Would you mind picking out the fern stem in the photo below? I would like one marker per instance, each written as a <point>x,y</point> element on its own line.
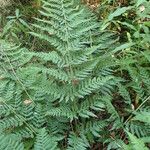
<point>128,119</point>
<point>18,78</point>
<point>68,44</point>
<point>20,117</point>
<point>117,142</point>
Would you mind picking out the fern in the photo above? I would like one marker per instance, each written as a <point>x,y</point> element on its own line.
<point>54,98</point>
<point>136,143</point>
<point>44,141</point>
<point>10,142</point>
<point>77,142</point>
<point>125,94</point>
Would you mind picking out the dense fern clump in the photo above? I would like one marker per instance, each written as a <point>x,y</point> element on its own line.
<point>61,88</point>
<point>62,96</point>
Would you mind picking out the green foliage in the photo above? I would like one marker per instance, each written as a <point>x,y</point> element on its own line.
<point>136,144</point>
<point>63,84</point>
<point>76,84</point>
<point>10,142</point>
<point>44,141</point>
<point>77,142</point>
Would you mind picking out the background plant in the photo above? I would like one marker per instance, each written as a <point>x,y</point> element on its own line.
<point>82,82</point>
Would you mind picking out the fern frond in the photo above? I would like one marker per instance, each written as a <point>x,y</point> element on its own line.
<point>45,141</point>
<point>136,143</point>
<point>114,114</point>
<point>125,94</point>
<point>64,111</point>
<point>91,85</point>
<point>10,142</point>
<point>10,122</point>
<point>77,143</point>
<point>143,116</point>
<point>138,129</point>
<point>95,127</point>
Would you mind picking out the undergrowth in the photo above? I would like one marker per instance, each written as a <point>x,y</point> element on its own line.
<point>74,76</point>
